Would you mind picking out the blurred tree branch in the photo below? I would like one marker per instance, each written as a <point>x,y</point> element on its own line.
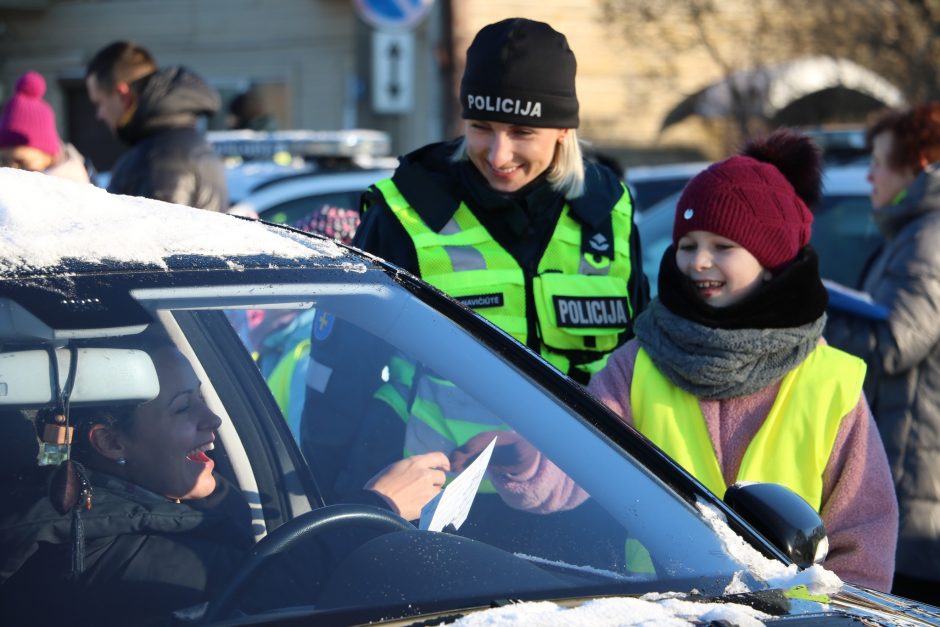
<point>897,39</point>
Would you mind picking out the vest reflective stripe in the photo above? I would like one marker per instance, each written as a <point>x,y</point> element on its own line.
<point>441,416</point>
<point>394,399</point>
<point>791,448</point>
<point>463,260</point>
<point>287,384</point>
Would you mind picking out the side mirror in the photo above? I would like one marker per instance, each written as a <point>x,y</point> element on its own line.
<point>783,517</point>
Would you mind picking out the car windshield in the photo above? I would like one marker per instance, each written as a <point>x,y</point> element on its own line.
<point>590,518</point>
<point>333,354</point>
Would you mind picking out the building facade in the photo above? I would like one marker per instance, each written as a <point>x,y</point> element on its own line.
<point>315,63</point>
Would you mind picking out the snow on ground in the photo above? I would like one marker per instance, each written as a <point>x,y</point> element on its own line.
<point>620,611</point>
<point>44,219</point>
<point>817,579</point>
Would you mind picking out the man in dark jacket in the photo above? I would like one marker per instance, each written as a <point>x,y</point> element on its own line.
<point>155,111</point>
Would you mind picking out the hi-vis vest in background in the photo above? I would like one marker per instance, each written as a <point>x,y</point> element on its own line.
<point>580,288</point>
<point>438,415</point>
<point>791,448</point>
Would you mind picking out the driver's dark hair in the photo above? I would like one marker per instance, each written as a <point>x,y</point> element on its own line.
<point>117,416</point>
<point>120,62</point>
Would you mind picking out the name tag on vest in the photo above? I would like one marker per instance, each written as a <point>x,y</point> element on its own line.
<point>583,311</point>
<point>481,301</point>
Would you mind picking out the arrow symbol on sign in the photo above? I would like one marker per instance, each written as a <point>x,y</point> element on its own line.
<point>394,53</point>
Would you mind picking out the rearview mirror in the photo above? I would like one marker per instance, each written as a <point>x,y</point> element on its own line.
<point>783,517</point>
<point>102,375</point>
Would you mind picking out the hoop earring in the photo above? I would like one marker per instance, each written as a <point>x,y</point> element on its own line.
<point>120,461</point>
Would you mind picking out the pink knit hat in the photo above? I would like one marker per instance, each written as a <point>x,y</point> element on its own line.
<point>27,119</point>
<point>757,199</point>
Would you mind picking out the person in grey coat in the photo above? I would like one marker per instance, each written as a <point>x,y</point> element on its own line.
<point>156,112</point>
<point>903,349</point>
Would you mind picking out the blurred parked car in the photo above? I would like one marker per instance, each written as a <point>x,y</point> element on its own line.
<point>300,200</point>
<point>309,180</point>
<point>254,159</point>
<point>651,183</point>
<point>844,233</point>
<point>113,268</point>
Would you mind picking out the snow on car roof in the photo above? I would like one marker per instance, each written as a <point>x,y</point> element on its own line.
<point>45,219</point>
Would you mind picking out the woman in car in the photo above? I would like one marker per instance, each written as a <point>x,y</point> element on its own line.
<point>729,374</point>
<point>160,530</point>
<point>903,350</point>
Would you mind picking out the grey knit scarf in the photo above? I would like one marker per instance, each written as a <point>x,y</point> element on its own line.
<point>722,363</point>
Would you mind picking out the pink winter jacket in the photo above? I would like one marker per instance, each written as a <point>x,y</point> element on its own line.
<point>859,506</point>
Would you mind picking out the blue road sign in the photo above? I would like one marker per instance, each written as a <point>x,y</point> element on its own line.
<point>393,13</point>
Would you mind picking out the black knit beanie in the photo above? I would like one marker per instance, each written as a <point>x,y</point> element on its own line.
<point>520,72</point>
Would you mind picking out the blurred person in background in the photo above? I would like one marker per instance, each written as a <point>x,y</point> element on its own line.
<point>156,112</point>
<point>903,350</point>
<point>28,136</point>
<point>246,112</point>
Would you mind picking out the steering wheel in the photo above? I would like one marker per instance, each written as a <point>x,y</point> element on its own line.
<point>296,531</point>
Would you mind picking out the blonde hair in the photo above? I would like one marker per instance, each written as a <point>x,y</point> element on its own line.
<point>565,174</point>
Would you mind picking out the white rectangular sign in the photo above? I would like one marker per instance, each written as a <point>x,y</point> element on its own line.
<point>393,71</point>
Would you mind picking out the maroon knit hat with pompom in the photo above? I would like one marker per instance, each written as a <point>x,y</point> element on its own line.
<point>759,199</point>
<point>27,119</point>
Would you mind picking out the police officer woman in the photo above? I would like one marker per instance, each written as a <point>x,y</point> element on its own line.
<point>510,219</point>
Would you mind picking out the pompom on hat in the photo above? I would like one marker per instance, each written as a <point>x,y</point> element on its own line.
<point>27,119</point>
<point>520,71</point>
<point>759,199</point>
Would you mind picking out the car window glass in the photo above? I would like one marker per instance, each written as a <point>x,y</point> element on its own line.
<point>361,388</point>
<point>311,213</point>
<point>845,236</point>
<point>361,373</point>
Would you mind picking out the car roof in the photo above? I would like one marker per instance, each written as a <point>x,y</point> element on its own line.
<point>71,253</point>
<point>846,180</point>
<point>837,180</point>
<point>246,177</point>
<point>308,184</point>
<point>51,224</point>
<point>665,171</point>
<point>308,144</point>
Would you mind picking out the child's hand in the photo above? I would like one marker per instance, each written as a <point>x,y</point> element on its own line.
<point>512,454</point>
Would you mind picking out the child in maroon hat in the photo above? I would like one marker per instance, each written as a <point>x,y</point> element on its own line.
<point>28,136</point>
<point>729,374</point>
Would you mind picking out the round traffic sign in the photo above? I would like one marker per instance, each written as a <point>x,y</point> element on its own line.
<point>393,13</point>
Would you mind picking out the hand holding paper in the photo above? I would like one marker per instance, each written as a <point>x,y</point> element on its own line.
<point>452,506</point>
<point>410,483</point>
<point>512,455</point>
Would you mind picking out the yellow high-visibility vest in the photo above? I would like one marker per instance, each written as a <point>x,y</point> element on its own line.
<point>791,448</point>
<point>582,301</point>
